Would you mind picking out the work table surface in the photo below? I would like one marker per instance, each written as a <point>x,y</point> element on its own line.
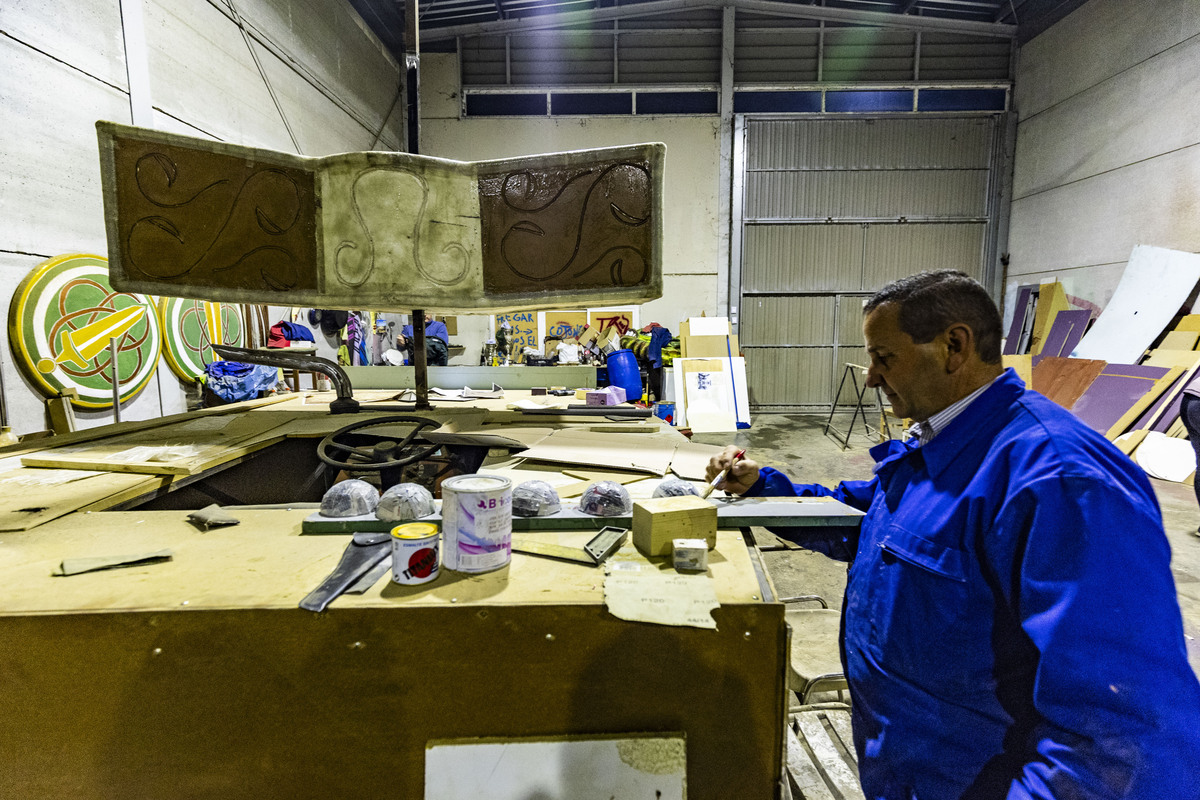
<point>265,562</point>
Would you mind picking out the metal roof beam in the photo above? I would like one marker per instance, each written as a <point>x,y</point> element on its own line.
<point>881,19</point>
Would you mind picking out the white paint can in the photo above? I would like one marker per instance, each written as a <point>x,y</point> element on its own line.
<point>476,522</point>
<point>415,557</point>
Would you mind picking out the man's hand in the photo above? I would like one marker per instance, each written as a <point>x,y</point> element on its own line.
<point>741,474</point>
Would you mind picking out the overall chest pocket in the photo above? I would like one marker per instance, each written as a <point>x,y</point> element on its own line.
<point>916,612</point>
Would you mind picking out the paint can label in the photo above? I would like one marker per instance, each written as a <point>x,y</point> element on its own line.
<point>477,522</point>
<point>416,555</point>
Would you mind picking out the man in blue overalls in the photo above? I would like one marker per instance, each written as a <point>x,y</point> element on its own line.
<point>1010,624</point>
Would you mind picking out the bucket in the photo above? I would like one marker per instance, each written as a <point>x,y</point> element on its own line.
<point>476,522</point>
<point>623,371</point>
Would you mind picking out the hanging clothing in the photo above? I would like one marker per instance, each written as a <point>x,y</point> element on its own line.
<point>284,333</point>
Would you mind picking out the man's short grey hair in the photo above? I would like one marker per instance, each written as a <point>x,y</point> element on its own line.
<point>930,302</point>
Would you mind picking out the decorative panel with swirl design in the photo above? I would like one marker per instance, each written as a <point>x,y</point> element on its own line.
<point>199,219</point>
<point>587,227</point>
<point>386,231</point>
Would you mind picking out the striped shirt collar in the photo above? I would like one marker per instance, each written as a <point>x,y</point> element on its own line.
<point>924,432</point>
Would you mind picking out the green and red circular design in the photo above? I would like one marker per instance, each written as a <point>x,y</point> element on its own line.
<point>190,329</point>
<point>60,323</point>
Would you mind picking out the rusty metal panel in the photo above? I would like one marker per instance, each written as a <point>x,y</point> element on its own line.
<point>388,231</point>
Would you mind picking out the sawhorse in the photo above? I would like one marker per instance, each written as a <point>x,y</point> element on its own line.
<point>859,393</point>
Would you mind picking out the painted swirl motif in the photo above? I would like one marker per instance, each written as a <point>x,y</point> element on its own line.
<point>218,220</point>
<point>383,200</point>
<point>558,230</point>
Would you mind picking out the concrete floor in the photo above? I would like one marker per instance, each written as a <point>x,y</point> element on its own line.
<point>797,444</point>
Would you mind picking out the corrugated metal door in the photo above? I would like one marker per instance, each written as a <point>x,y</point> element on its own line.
<point>832,209</point>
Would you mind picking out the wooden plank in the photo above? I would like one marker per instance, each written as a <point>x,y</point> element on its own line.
<point>840,720</point>
<point>1162,357</point>
<point>122,428</point>
<point>1180,340</point>
<point>1051,300</point>
<point>1128,442</point>
<point>183,448</point>
<point>1171,401</point>
<point>1022,365</point>
<point>843,776</point>
<point>803,772</point>
<point>1064,380</point>
<point>1145,401</point>
<point>32,497</point>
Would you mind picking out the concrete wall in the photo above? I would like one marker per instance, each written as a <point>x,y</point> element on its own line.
<point>691,245</point>
<point>66,65</point>
<point>1108,143</point>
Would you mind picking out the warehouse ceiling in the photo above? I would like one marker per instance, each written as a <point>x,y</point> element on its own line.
<point>443,21</point>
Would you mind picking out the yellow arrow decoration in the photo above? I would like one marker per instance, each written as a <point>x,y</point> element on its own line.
<point>81,346</point>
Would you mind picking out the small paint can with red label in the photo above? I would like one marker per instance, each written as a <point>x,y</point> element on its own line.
<point>416,552</point>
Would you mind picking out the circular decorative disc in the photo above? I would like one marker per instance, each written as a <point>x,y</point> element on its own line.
<point>60,323</point>
<point>190,329</point>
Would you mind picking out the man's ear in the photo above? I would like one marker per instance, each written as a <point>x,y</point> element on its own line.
<point>960,343</point>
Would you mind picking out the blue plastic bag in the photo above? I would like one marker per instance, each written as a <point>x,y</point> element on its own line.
<point>233,381</point>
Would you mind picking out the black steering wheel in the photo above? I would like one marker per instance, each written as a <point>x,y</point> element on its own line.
<point>384,453</point>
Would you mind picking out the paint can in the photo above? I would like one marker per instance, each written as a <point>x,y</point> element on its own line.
<point>415,556</point>
<point>477,522</point>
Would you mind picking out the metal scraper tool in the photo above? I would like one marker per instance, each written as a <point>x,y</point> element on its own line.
<point>594,553</point>
<point>364,552</point>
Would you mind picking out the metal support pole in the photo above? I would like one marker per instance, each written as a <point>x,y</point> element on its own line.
<point>116,379</point>
<point>412,69</point>
<point>420,362</point>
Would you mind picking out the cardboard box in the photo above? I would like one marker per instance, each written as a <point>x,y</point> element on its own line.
<point>705,326</point>
<point>657,522</point>
<point>608,396</point>
<point>708,346</point>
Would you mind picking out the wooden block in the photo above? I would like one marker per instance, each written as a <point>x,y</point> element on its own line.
<point>690,555</point>
<point>1180,340</point>
<point>659,521</point>
<point>1189,323</point>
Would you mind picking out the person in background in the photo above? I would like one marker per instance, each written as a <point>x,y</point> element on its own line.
<point>1189,412</point>
<point>437,342</point>
<point>1010,622</point>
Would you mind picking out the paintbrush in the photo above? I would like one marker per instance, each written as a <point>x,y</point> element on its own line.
<point>721,475</point>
